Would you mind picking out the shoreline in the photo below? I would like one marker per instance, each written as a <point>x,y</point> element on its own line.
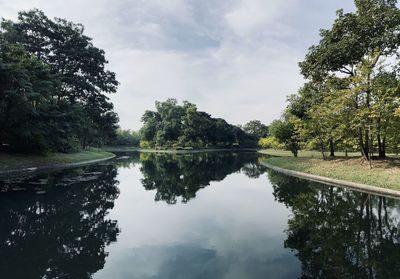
<point>360,187</point>
<point>51,166</point>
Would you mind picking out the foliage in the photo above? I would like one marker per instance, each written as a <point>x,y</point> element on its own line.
<point>178,126</point>
<point>284,132</point>
<point>145,144</point>
<point>270,142</point>
<point>125,138</point>
<point>256,128</point>
<point>352,91</point>
<point>52,85</point>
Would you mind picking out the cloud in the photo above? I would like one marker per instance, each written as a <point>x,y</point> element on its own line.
<point>235,59</point>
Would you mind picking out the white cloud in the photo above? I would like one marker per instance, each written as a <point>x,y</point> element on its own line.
<point>236,59</point>
<point>252,16</point>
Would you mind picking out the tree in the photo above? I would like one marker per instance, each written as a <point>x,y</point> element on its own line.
<point>256,128</point>
<point>25,99</point>
<point>284,132</point>
<point>354,48</point>
<point>61,81</point>
<point>178,126</point>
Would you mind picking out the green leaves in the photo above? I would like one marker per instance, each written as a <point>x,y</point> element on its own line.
<point>52,85</point>
<point>173,126</point>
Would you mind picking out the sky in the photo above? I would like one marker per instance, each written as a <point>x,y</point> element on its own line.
<point>235,59</point>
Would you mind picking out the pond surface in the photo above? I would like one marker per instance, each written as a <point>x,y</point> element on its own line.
<point>203,216</point>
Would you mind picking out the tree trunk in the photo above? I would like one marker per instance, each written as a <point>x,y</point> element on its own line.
<point>363,146</point>
<point>323,149</point>
<point>331,148</point>
<point>381,142</point>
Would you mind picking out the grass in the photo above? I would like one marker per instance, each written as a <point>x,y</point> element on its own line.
<point>304,153</point>
<point>18,161</point>
<point>384,173</point>
<point>120,148</point>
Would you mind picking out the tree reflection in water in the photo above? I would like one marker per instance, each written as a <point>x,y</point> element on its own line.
<point>339,233</point>
<point>182,175</point>
<point>62,234</point>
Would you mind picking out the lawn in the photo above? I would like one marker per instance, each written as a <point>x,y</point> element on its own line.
<point>384,173</point>
<point>10,162</point>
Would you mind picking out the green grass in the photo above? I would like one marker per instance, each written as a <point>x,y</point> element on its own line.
<point>120,148</point>
<point>18,161</point>
<point>304,153</point>
<point>384,173</point>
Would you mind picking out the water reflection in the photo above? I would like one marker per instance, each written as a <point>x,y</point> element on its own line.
<point>60,234</point>
<point>339,233</point>
<point>57,225</point>
<point>182,175</point>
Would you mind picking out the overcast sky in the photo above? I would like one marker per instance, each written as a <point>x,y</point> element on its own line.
<point>236,59</point>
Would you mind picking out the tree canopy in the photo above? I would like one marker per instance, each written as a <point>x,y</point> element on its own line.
<point>352,94</point>
<point>173,125</point>
<point>53,85</point>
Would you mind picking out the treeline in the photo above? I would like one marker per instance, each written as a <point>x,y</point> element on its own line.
<point>53,83</point>
<point>352,95</point>
<point>174,126</point>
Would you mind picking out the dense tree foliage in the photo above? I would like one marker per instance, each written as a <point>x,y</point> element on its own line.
<point>125,138</point>
<point>284,132</point>
<point>256,128</point>
<point>52,85</point>
<point>352,92</point>
<point>173,125</point>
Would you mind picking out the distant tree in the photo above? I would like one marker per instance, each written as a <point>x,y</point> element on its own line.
<point>173,125</point>
<point>256,128</point>
<point>126,138</point>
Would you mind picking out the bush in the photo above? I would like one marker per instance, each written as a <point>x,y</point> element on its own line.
<point>270,142</point>
<point>145,144</point>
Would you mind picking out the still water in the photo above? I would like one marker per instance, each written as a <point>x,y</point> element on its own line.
<point>210,215</point>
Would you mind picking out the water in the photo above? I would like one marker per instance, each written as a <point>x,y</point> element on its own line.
<point>214,215</point>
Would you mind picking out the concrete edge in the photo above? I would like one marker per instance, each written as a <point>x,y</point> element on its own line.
<point>375,190</point>
<point>24,171</point>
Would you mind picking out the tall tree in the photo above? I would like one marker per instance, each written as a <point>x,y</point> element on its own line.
<point>354,47</point>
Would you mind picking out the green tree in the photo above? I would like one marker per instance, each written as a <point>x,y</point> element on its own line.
<point>284,131</point>
<point>256,128</point>
<point>78,111</point>
<point>355,48</point>
<point>177,126</point>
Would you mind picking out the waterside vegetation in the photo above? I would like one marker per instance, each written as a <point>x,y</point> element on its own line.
<point>351,100</point>
<point>353,168</point>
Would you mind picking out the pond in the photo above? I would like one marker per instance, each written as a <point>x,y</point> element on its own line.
<point>206,215</point>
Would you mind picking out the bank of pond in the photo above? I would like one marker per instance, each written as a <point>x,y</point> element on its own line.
<point>204,215</point>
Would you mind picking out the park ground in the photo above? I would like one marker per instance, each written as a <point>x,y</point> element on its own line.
<point>13,162</point>
<point>384,173</point>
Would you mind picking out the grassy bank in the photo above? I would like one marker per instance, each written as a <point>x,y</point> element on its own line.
<point>385,173</point>
<point>10,162</point>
